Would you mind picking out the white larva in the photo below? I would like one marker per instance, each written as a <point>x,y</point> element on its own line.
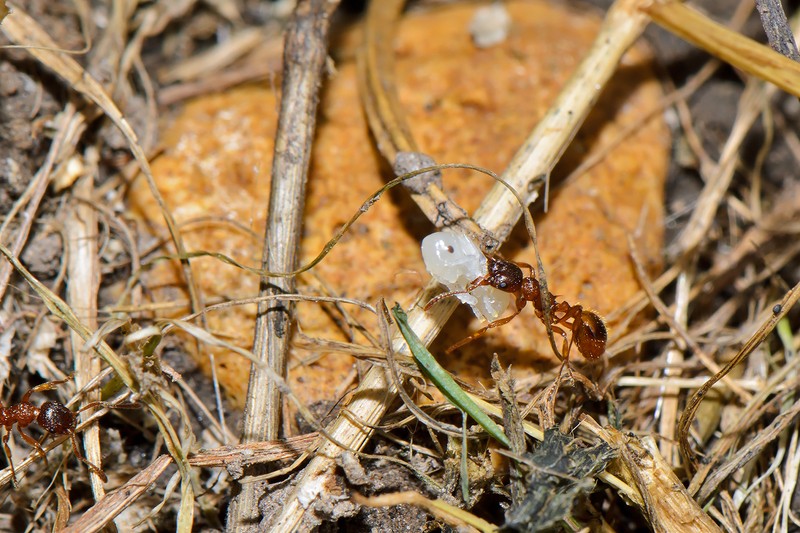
<point>454,260</point>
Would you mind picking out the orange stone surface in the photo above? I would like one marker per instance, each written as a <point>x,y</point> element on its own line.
<point>464,104</point>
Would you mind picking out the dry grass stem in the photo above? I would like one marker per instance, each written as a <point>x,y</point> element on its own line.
<point>667,504</point>
<point>97,518</point>
<point>776,26</point>
<point>304,57</point>
<point>450,514</point>
<point>731,47</point>
<point>84,276</point>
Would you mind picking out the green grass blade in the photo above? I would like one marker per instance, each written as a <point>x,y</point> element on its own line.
<point>443,380</point>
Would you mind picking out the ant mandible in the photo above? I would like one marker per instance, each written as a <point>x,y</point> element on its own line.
<point>588,330</point>
<point>52,416</point>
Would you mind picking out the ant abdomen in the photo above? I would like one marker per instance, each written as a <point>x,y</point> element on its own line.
<point>591,335</point>
<point>56,418</point>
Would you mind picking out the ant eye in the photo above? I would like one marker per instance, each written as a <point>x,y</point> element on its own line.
<point>502,285</point>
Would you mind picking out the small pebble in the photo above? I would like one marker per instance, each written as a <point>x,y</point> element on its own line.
<point>490,25</point>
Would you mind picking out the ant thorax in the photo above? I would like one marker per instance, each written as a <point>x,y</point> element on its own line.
<point>454,260</point>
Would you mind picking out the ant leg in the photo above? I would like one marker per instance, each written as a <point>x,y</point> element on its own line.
<point>495,324</point>
<point>561,307</point>
<point>7,451</point>
<point>34,444</point>
<point>107,405</point>
<point>50,385</point>
<point>76,450</point>
<point>442,296</point>
<point>526,265</point>
<point>566,347</point>
<point>477,282</point>
<point>472,285</point>
<point>571,317</point>
<point>93,405</point>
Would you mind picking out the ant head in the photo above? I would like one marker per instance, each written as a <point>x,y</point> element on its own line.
<point>504,275</point>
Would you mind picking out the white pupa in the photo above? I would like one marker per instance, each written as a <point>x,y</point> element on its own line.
<point>454,260</point>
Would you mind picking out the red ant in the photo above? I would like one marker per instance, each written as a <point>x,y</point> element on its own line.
<point>588,329</point>
<point>52,416</point>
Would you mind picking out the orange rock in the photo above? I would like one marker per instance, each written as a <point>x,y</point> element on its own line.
<point>464,104</point>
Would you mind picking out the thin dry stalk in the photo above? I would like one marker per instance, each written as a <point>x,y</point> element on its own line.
<point>242,455</point>
<point>670,382</point>
<point>305,52</point>
<point>304,57</point>
<point>377,82</point>
<point>670,395</point>
<point>450,514</point>
<point>82,251</point>
<point>758,337</point>
<point>666,503</point>
<point>96,518</point>
<point>84,283</point>
<point>264,62</point>
<point>231,457</point>
<point>724,43</point>
<point>211,61</point>
<point>776,26</point>
<point>392,133</point>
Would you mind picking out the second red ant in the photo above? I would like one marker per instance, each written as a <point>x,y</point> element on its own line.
<point>588,331</point>
<point>52,416</point>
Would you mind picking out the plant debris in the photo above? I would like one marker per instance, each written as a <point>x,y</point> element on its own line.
<point>560,474</point>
